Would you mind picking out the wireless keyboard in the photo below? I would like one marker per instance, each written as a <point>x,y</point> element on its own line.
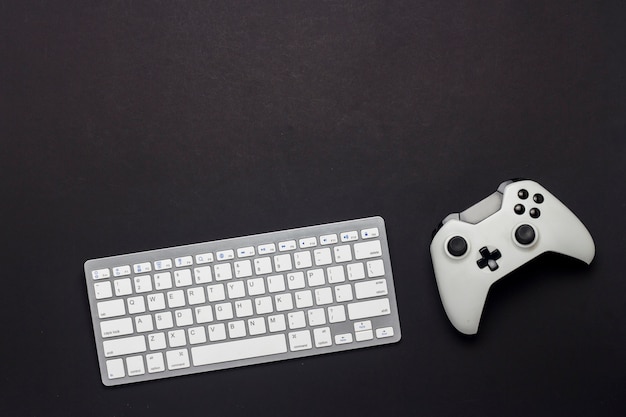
<point>242,301</point>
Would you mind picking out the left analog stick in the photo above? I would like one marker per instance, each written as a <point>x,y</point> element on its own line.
<point>457,246</point>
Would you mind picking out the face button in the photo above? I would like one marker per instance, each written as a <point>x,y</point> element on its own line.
<point>525,234</point>
<point>488,258</point>
<point>534,213</point>
<point>523,194</point>
<point>538,198</point>
<point>457,246</point>
<point>519,209</point>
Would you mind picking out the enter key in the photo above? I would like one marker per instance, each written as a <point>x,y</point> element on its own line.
<point>370,289</point>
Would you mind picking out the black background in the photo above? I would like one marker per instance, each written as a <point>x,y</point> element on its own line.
<point>129,126</point>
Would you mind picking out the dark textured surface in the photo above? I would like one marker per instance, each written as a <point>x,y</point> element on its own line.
<point>127,126</point>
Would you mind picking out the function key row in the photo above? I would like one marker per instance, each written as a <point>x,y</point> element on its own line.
<point>229,254</point>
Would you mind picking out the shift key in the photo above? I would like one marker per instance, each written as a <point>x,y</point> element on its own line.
<point>124,346</point>
<point>371,308</point>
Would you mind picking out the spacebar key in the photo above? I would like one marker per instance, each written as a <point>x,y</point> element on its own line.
<point>240,349</point>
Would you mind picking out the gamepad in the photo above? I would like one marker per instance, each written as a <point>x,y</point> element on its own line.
<point>473,249</point>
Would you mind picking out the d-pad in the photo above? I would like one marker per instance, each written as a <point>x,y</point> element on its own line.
<point>488,258</point>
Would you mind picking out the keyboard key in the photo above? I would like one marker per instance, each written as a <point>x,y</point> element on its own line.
<point>364,335</point>
<point>368,289</point>
<point>369,233</point>
<point>282,263</point>
<point>335,274</point>
<point>236,329</point>
<point>236,289</point>
<point>316,317</point>
<point>101,273</point>
<point>183,317</point>
<point>225,255</point>
<point>164,320</point>
<point>103,290</point>
<point>202,274</point>
<point>223,311</point>
<point>177,359</point>
<point>239,349</point>
<point>216,292</point>
<point>343,253</point>
<point>322,337</point>
<point>276,283</point>
<point>263,305</point>
<point>337,314</point>
<point>163,281</point>
<point>196,335</point>
<point>136,305</point>
<point>349,236</point>
<point>295,281</point>
<point>302,259</point>
<point>223,272</point>
<point>123,287</point>
<point>256,326</point>
<point>343,293</point>
<point>359,326</point>
<point>195,296</point>
<point>323,296</point>
<point>307,242</point>
<point>243,269</point>
<point>156,302</point>
<point>216,332</point>
<point>315,277</point>
<point>384,332</point>
<point>356,271</point>
<point>113,308</point>
<point>120,271</point>
<point>182,278</point>
<point>154,362</point>
<point>266,249</point>
<point>176,338</point>
<point>322,257</point>
<point>375,268</point>
<point>157,341</point>
<point>283,302</point>
<point>204,258</point>
<point>162,264</point>
<point>118,327</point>
<point>277,323</point>
<point>300,340</point>
<point>135,365</point>
<point>142,268</point>
<point>143,284</point>
<point>342,339</point>
<point>245,252</point>
<point>372,308</point>
<point>203,314</point>
<point>124,346</point>
<point>328,239</point>
<point>183,261</point>
<point>370,249</point>
<point>256,286</point>
<point>144,323</point>
<point>263,266</point>
<point>287,245</point>
<point>303,299</point>
<point>115,369</point>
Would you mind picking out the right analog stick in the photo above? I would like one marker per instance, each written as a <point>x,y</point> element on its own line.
<point>525,234</point>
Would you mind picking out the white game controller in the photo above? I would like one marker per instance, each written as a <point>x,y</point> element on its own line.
<point>473,249</point>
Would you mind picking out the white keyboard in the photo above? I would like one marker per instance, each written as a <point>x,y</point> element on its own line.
<point>242,301</point>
